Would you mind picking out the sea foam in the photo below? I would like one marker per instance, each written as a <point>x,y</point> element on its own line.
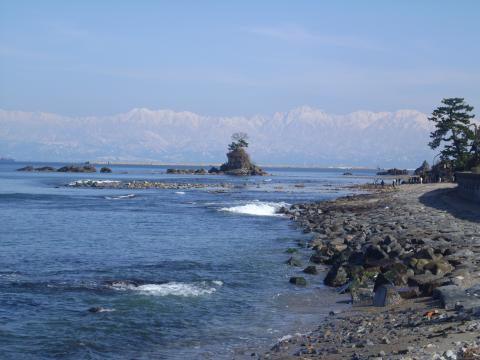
<point>257,208</point>
<point>129,196</point>
<point>170,288</point>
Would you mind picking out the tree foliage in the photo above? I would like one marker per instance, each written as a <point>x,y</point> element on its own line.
<point>239,140</point>
<point>452,121</point>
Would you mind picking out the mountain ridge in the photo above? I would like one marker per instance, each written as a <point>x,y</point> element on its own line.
<point>301,136</point>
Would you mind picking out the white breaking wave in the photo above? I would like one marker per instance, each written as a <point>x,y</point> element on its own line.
<point>171,288</point>
<point>180,192</point>
<point>129,196</point>
<point>257,208</point>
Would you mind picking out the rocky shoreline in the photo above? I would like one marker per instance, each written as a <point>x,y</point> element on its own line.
<point>410,259</point>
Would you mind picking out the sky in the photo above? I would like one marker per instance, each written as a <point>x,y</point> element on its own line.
<point>225,58</point>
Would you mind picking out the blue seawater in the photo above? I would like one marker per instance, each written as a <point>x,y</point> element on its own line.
<point>190,274</point>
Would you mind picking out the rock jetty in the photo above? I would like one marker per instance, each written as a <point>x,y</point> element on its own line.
<point>410,259</point>
<point>187,171</point>
<point>139,184</point>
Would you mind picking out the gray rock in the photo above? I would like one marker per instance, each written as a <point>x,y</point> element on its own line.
<point>454,297</point>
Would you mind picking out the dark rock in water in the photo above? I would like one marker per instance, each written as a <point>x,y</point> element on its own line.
<point>105,170</point>
<point>78,168</point>
<point>294,262</point>
<point>311,269</point>
<point>239,164</point>
<point>386,295</point>
<point>26,168</point>
<point>45,169</point>
<point>298,280</point>
<point>337,276</point>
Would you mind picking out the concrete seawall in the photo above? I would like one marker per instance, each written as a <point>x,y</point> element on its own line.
<point>469,185</point>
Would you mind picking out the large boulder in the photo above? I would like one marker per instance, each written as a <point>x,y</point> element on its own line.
<point>337,276</point>
<point>239,164</point>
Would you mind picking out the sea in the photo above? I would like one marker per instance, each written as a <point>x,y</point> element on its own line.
<point>175,274</point>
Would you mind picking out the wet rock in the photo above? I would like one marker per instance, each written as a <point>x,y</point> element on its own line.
<point>298,280</point>
<point>311,269</point>
<point>105,170</point>
<point>336,276</point>
<point>292,261</point>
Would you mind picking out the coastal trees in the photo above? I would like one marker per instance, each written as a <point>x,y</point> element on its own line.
<point>239,140</point>
<point>452,130</point>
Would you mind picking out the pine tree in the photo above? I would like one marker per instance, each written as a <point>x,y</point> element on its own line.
<point>452,120</point>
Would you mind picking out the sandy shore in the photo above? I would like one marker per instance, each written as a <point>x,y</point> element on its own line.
<point>430,241</point>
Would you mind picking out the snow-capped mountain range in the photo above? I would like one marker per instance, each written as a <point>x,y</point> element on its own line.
<point>302,136</point>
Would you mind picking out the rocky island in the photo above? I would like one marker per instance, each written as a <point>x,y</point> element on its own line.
<point>87,168</point>
<point>238,162</point>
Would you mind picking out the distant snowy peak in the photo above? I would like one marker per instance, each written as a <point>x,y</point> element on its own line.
<point>303,135</point>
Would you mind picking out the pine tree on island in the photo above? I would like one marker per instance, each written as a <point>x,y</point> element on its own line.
<point>239,162</point>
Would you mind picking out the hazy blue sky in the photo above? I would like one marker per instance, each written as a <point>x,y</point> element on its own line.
<point>237,57</point>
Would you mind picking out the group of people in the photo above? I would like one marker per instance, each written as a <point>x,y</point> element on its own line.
<point>396,182</point>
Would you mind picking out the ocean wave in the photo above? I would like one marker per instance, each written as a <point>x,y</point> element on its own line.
<point>257,208</point>
<point>119,197</point>
<point>180,192</point>
<point>170,288</point>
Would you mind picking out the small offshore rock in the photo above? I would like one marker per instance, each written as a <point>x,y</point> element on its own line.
<point>298,280</point>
